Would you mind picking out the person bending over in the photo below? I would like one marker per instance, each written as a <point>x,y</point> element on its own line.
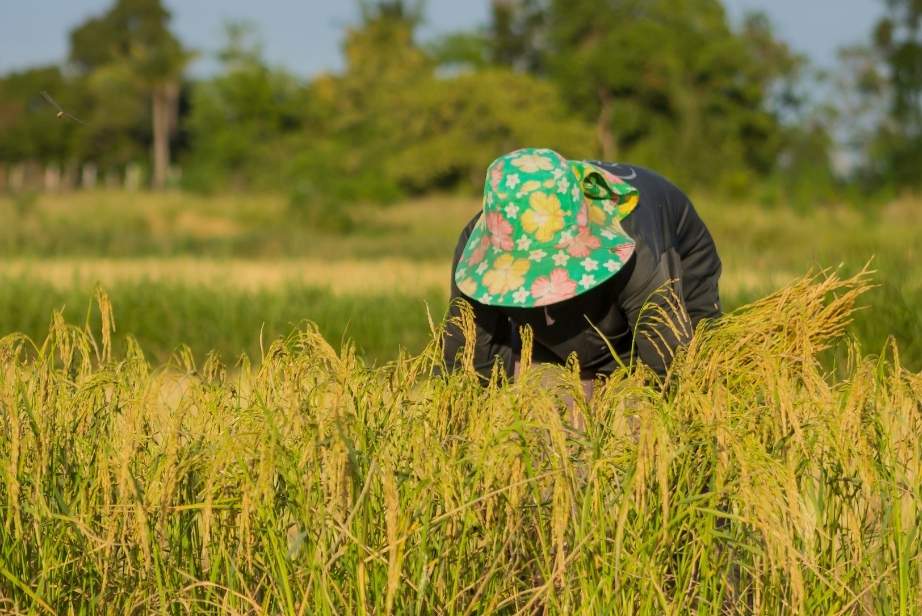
<point>593,256</point>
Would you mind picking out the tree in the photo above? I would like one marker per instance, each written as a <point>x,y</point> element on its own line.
<point>133,38</point>
<point>241,116</point>
<point>29,126</point>
<point>452,128</point>
<point>669,83</point>
<point>381,53</point>
<point>464,50</point>
<point>517,34</point>
<point>389,125</point>
<point>897,39</point>
<point>357,120</point>
<point>421,130</point>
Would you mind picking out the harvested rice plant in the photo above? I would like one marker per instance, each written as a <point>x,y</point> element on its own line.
<point>754,479</point>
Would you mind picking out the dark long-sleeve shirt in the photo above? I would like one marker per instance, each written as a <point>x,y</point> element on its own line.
<point>646,310</point>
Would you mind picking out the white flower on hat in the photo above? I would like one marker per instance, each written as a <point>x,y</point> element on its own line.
<point>557,173</point>
<point>587,280</point>
<point>561,258</point>
<point>537,255</point>
<point>482,267</point>
<point>487,298</point>
<point>612,265</point>
<point>576,193</point>
<point>523,243</point>
<point>512,180</point>
<point>512,210</point>
<point>608,234</point>
<point>590,264</point>
<point>520,296</point>
<point>563,185</point>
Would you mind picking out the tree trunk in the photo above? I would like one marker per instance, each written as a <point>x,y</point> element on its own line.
<point>603,126</point>
<point>165,97</point>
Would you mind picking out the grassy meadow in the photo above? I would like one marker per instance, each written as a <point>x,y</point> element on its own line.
<point>309,466</point>
<point>224,272</point>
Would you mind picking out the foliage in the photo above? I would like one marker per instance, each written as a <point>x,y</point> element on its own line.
<point>670,85</point>
<point>131,56</point>
<point>419,130</point>
<point>238,117</point>
<point>29,128</point>
<point>131,30</point>
<point>117,131</point>
<point>667,83</point>
<point>454,127</point>
<point>516,32</point>
<point>462,50</point>
<point>897,40</point>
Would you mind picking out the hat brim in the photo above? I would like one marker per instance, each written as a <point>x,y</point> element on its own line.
<point>503,273</point>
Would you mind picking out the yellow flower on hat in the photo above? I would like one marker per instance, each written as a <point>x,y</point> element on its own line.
<point>530,186</point>
<point>506,274</point>
<point>597,215</point>
<point>468,286</point>
<point>544,217</point>
<point>530,163</point>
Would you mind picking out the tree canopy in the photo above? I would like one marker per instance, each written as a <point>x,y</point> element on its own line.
<point>671,84</point>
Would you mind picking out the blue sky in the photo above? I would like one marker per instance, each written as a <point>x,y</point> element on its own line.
<point>304,35</point>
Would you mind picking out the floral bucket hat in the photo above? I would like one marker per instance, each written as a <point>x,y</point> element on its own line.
<point>550,230</point>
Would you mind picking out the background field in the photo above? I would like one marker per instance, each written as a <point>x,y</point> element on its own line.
<point>219,272</point>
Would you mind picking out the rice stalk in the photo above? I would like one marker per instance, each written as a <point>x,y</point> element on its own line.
<point>752,480</point>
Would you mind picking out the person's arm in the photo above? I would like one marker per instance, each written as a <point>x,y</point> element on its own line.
<point>701,266</point>
<point>652,301</point>
<point>494,331</point>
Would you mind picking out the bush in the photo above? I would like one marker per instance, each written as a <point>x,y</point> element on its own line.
<point>316,210</point>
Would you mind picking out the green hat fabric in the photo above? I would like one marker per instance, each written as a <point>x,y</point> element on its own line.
<point>550,230</point>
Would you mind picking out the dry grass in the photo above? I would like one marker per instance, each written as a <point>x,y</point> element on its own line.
<point>762,248</point>
<point>346,276</point>
<point>341,276</point>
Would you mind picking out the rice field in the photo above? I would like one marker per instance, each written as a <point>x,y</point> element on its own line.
<point>208,407</point>
<point>309,482</point>
<point>343,277</point>
<point>226,273</point>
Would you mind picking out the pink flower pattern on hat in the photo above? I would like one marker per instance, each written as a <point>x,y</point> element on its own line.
<point>581,245</point>
<point>624,251</point>
<point>582,218</point>
<point>496,174</point>
<point>554,288</point>
<point>499,229</point>
<point>480,251</point>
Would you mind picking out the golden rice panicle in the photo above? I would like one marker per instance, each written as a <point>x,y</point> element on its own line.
<point>753,480</point>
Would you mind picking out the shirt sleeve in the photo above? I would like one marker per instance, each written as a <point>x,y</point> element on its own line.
<point>653,304</point>
<point>495,334</point>
<point>701,266</point>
